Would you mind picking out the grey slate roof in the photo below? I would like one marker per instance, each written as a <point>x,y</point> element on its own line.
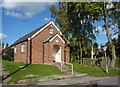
<point>47,40</point>
<point>25,38</point>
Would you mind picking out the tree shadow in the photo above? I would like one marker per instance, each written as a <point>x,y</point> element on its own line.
<point>4,78</point>
<point>102,69</point>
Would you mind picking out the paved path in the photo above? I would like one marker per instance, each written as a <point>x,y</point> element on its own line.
<point>3,73</point>
<point>72,81</point>
<point>111,81</point>
<point>0,72</point>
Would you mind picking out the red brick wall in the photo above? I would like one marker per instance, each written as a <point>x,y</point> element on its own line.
<point>47,53</point>
<point>61,44</point>
<point>20,56</point>
<point>37,44</point>
<point>37,48</point>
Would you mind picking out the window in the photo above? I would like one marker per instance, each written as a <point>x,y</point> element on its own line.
<point>51,31</point>
<point>23,48</point>
<point>15,50</point>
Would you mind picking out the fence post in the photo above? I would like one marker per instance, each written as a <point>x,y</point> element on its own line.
<point>72,68</point>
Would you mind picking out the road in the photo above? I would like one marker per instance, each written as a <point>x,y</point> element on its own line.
<point>72,81</point>
<point>85,80</point>
<point>110,81</point>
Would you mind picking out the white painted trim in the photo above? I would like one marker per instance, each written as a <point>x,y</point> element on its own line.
<point>44,28</point>
<point>57,35</point>
<point>56,28</point>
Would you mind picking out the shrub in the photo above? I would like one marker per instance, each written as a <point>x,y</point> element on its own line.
<point>8,54</point>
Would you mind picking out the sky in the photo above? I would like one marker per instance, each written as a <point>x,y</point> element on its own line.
<point>20,18</point>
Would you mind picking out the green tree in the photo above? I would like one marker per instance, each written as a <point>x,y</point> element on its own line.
<point>108,17</point>
<point>75,21</point>
<point>8,54</point>
<point>3,44</point>
<point>7,45</point>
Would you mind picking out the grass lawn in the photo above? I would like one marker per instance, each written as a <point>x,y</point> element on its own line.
<point>117,64</point>
<point>39,70</point>
<point>94,70</point>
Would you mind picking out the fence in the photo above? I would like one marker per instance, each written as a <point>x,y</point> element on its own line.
<point>95,61</point>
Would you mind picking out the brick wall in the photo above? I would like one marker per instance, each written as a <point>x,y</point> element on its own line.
<point>36,47</point>
<point>20,56</point>
<point>37,44</point>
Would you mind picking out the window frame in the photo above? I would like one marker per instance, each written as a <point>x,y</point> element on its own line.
<point>51,31</point>
<point>15,50</point>
<point>23,48</point>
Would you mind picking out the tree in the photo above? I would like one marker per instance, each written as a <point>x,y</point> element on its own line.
<point>7,45</point>
<point>8,54</point>
<point>75,21</point>
<point>3,44</point>
<point>108,17</point>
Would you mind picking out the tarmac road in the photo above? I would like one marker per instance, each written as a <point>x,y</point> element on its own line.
<point>110,81</point>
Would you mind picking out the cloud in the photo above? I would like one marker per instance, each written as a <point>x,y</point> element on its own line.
<point>2,36</point>
<point>99,31</point>
<point>115,36</point>
<point>24,9</point>
<point>46,19</point>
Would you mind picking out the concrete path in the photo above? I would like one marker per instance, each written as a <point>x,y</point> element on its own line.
<point>72,81</point>
<point>4,74</point>
<point>111,81</point>
<point>0,72</point>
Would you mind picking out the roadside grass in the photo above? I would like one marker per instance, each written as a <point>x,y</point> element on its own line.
<point>94,70</point>
<point>117,64</point>
<point>39,70</point>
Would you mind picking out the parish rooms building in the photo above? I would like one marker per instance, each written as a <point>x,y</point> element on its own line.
<point>44,45</point>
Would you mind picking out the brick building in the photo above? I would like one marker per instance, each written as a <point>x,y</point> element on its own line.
<point>44,45</point>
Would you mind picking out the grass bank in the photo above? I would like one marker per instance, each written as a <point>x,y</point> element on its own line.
<point>94,70</point>
<point>38,70</point>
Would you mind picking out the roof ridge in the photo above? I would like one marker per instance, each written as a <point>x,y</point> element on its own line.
<point>25,37</point>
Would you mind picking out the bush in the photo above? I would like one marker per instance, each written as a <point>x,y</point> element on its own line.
<point>8,54</point>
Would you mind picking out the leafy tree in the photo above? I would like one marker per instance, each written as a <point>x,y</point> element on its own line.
<point>3,44</point>
<point>7,45</point>
<point>8,54</point>
<point>75,21</point>
<point>109,15</point>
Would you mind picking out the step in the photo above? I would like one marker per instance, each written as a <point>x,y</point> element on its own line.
<point>5,73</point>
<point>6,80</point>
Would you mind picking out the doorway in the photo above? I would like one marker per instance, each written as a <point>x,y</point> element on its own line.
<point>57,53</point>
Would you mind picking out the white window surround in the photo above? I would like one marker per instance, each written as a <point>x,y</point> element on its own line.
<point>23,48</point>
<point>51,31</point>
<point>15,50</point>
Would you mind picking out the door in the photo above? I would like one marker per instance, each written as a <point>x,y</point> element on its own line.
<point>57,53</point>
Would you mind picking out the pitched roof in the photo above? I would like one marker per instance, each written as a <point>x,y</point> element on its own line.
<point>25,38</point>
<point>53,37</point>
<point>47,40</point>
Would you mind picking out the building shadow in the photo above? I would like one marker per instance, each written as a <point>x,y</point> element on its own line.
<point>4,78</point>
